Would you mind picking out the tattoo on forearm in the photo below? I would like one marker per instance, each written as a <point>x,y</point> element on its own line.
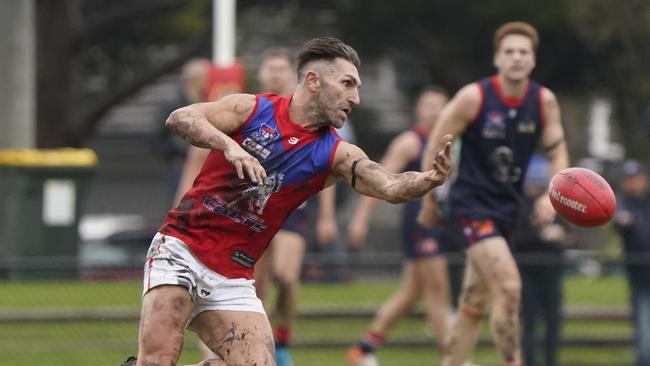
<point>188,126</point>
<point>187,129</point>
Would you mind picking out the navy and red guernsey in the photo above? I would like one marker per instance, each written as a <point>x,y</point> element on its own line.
<point>228,222</point>
<point>495,151</point>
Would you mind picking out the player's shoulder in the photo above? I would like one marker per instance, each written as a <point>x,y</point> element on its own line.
<point>547,95</point>
<point>407,142</point>
<point>346,151</point>
<point>240,103</point>
<point>470,93</point>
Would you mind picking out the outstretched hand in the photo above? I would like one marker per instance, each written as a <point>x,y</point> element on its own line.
<point>442,162</point>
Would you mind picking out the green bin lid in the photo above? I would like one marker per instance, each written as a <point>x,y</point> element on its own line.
<point>63,157</point>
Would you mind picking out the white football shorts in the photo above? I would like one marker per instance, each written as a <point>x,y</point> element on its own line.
<point>170,262</point>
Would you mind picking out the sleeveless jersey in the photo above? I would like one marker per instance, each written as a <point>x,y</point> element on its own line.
<point>495,151</point>
<point>227,222</point>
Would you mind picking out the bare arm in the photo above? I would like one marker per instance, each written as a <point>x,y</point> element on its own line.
<point>208,125</point>
<point>454,119</point>
<point>326,226</point>
<point>371,179</point>
<point>555,148</point>
<point>403,149</point>
<point>553,141</point>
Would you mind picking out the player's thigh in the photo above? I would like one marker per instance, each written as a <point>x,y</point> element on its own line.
<point>432,273</point>
<point>165,312</point>
<point>288,254</point>
<point>475,293</point>
<point>263,274</point>
<point>238,337</point>
<point>410,284</point>
<point>493,259</point>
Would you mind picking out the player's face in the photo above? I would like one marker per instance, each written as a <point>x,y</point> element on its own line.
<point>339,92</point>
<point>276,75</point>
<point>428,108</point>
<point>515,58</point>
<point>635,185</point>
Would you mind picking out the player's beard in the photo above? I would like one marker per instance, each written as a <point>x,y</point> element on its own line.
<point>320,108</point>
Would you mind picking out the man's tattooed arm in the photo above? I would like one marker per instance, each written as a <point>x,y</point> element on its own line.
<point>194,128</point>
<point>208,125</point>
<point>371,179</point>
<point>374,180</point>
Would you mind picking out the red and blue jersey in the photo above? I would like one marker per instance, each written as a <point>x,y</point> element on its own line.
<point>228,222</point>
<point>496,148</point>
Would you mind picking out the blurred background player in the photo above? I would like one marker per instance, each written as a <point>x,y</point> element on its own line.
<point>424,270</point>
<point>500,121</point>
<point>539,248</point>
<point>169,146</point>
<point>633,221</point>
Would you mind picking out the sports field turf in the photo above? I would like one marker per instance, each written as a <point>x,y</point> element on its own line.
<point>108,342</point>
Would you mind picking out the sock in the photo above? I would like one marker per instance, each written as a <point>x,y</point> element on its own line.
<point>282,337</point>
<point>371,342</point>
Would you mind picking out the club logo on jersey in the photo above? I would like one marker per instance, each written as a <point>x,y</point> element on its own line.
<point>261,141</point>
<point>254,199</point>
<point>495,125</point>
<point>527,126</point>
<point>267,134</point>
<point>256,196</point>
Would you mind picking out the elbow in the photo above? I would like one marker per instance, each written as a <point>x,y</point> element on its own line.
<point>172,121</point>
<point>176,118</point>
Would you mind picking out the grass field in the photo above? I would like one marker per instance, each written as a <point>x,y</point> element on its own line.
<point>105,342</point>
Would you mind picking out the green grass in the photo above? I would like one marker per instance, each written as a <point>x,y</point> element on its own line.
<point>108,343</point>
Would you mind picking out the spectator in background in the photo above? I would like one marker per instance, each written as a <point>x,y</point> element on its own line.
<point>633,221</point>
<point>169,146</point>
<point>539,255</point>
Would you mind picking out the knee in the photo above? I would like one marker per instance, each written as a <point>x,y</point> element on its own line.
<point>254,351</point>
<point>472,305</point>
<point>509,293</point>
<point>287,280</point>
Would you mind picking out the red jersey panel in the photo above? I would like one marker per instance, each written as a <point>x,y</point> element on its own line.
<point>228,222</point>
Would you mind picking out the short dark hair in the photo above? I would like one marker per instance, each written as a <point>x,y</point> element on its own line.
<point>274,52</point>
<point>521,28</point>
<point>434,88</point>
<point>325,48</point>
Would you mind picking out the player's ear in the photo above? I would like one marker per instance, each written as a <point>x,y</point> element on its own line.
<point>312,80</point>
